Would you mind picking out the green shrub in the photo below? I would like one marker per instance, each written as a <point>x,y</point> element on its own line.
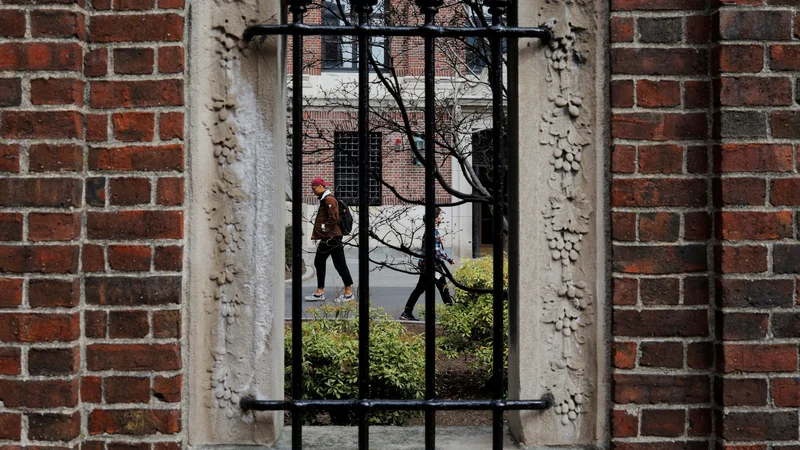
<point>330,361</point>
<point>288,242</point>
<point>467,324</point>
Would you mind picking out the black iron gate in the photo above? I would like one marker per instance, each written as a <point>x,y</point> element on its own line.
<point>502,13</point>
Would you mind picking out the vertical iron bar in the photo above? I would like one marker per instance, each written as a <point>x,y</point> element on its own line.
<point>298,8</point>
<point>430,199</point>
<point>497,8</point>
<point>512,141</point>
<point>364,10</point>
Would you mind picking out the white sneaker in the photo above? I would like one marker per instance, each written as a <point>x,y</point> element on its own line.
<point>315,297</point>
<point>345,298</point>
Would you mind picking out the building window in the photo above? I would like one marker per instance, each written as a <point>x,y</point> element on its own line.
<point>345,166</point>
<point>341,52</point>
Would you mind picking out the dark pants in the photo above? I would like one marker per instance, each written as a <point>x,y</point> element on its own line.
<point>441,283</point>
<point>335,249</point>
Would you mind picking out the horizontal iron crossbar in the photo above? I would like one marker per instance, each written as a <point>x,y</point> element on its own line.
<point>376,30</point>
<point>396,405</point>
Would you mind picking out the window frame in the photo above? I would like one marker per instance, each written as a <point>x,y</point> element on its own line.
<point>376,152</point>
<point>331,9</point>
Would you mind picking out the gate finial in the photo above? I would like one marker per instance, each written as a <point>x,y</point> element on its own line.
<point>298,6</point>
<point>364,5</point>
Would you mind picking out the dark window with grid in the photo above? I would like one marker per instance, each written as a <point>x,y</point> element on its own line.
<point>345,166</point>
<point>341,52</point>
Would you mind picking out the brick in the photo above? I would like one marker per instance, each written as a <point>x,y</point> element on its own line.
<point>96,127</point>
<point>697,94</point>
<point>39,259</point>
<point>54,361</point>
<point>133,94</point>
<point>755,25</point>
<point>19,327</point>
<point>170,192</point>
<point>10,364</point>
<point>697,159</point>
<point>786,392</point>
<point>54,427</point>
<point>755,91</point>
<point>785,124</point>
<point>39,393</point>
<point>784,57</point>
<point>54,293</point>
<point>169,258</point>
<point>659,291</point>
<point>129,191</point>
<point>58,23</point>
<point>741,392</point>
<point>133,5</point>
<point>54,226</point>
<point>700,422</point>
<point>740,191</point>
<point>660,259</point>
<point>138,158</point>
<point>743,326</point>
<point>660,30</point>
<point>171,126</point>
<point>660,323</point>
<point>167,324</point>
<point>698,29</point>
<point>10,91</point>
<point>659,61</point>
<point>11,290</point>
<point>786,325</point>
<point>661,158</point>
<point>9,157</point>
<point>786,258</point>
<point>663,422</point>
<point>659,126</point>
<point>623,159</point>
<point>622,93</point>
<point>96,324</point>
<point>130,225</point>
<point>621,29</point>
<point>168,389</point>
<point>96,63</point>
<point>626,291</point>
<point>136,291</point>
<point>13,23</point>
<point>695,291</point>
<point>744,259</point>
<point>624,424</point>
<point>129,258</point>
<point>134,61</point>
<point>10,426</point>
<point>91,389</point>
<point>738,58</point>
<point>756,293</point>
<point>40,56</point>
<point>623,226</point>
<point>658,192</point>
<point>700,355</point>
<point>740,124</point>
<point>127,390</point>
<point>738,225</point>
<point>785,192</point>
<point>128,324</point>
<point>759,426</point>
<point>170,60</point>
<point>133,127</point>
<point>662,354</point>
<point>55,158</point>
<point>135,422</point>
<point>754,158</point>
<point>127,446</point>
<point>170,4</point>
<point>133,357</point>
<point>10,227</point>
<point>137,28</point>
<point>659,389</point>
<point>759,358</point>
<point>96,191</point>
<point>41,125</point>
<point>624,355</point>
<point>93,257</point>
<point>656,5</point>
<point>671,445</point>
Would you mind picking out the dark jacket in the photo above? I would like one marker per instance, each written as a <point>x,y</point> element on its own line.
<point>326,225</point>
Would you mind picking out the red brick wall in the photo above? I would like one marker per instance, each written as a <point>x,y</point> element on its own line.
<point>91,223</point>
<point>704,214</point>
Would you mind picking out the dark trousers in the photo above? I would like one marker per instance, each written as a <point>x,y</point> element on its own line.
<point>335,249</point>
<point>441,283</point>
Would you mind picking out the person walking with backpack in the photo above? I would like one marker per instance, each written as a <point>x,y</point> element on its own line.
<point>328,232</point>
<point>441,282</point>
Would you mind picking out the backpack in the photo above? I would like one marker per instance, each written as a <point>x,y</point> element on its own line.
<point>345,217</point>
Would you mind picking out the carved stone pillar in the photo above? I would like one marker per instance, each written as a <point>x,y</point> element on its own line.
<point>557,335</point>
<point>236,221</point>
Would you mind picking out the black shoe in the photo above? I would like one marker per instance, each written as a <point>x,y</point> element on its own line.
<point>407,316</point>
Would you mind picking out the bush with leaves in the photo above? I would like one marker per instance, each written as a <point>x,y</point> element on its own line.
<point>330,361</point>
<point>467,324</point>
